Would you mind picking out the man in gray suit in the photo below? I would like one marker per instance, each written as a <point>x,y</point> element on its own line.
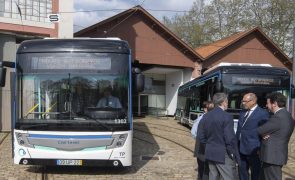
<point>276,135</point>
<point>216,131</point>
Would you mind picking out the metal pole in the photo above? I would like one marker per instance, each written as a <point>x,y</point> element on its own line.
<point>293,75</point>
<point>139,106</point>
<point>293,70</point>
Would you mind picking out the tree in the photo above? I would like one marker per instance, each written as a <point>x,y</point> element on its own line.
<point>188,27</point>
<point>221,18</point>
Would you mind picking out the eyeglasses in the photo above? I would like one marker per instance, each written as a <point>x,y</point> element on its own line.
<point>244,101</point>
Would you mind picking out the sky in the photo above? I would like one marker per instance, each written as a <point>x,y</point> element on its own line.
<point>99,10</point>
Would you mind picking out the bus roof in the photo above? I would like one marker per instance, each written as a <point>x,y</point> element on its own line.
<point>236,64</point>
<point>250,69</point>
<point>101,45</point>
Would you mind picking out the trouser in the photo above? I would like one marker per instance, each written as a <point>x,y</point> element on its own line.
<point>252,162</point>
<point>270,172</point>
<point>226,171</point>
<point>203,170</point>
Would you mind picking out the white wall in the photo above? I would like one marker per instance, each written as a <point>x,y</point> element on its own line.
<point>156,101</point>
<point>65,25</point>
<point>173,81</point>
<point>27,23</point>
<point>7,53</point>
<point>187,75</point>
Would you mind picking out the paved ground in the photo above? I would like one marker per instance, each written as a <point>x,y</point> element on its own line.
<point>170,146</point>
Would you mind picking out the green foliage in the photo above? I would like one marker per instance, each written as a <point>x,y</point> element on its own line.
<point>204,24</point>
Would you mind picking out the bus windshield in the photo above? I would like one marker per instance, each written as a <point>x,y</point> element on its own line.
<point>237,85</point>
<point>62,94</point>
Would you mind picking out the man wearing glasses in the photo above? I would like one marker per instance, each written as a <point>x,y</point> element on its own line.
<point>251,117</point>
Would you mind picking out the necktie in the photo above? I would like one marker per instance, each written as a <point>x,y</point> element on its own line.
<point>247,114</point>
<point>245,120</point>
<point>246,117</point>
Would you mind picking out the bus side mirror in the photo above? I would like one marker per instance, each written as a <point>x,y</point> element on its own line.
<point>139,82</point>
<point>138,79</point>
<point>218,86</point>
<point>2,76</point>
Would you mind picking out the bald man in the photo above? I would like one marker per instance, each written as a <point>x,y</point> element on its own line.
<point>251,117</point>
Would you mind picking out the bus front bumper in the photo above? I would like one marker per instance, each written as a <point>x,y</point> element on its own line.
<point>66,162</point>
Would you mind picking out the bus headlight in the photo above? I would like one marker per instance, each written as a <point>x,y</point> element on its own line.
<point>119,144</point>
<point>123,136</point>
<point>18,135</point>
<point>119,141</point>
<point>21,142</point>
<point>22,139</point>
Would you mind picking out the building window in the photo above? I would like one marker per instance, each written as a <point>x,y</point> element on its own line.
<point>31,10</point>
<point>2,7</point>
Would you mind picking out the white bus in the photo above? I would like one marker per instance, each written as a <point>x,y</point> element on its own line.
<point>56,87</point>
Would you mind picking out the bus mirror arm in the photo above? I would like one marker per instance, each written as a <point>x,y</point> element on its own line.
<point>292,91</point>
<point>4,64</point>
<point>218,86</point>
<point>139,81</point>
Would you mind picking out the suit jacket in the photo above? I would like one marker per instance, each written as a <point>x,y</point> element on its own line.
<point>280,126</point>
<point>247,134</point>
<point>199,150</point>
<point>216,130</point>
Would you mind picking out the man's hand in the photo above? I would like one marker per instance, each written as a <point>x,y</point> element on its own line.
<point>265,137</point>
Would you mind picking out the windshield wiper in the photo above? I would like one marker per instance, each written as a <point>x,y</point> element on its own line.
<point>102,124</point>
<point>29,126</point>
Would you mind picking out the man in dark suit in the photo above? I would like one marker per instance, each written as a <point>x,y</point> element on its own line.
<point>276,135</point>
<point>248,140</point>
<point>216,130</point>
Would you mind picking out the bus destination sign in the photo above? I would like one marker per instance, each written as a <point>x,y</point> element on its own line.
<point>256,81</point>
<point>72,62</point>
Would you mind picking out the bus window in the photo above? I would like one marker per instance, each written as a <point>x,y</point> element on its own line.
<point>232,104</point>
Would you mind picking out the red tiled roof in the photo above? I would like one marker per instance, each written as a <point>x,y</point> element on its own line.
<point>209,50</point>
<point>213,48</point>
